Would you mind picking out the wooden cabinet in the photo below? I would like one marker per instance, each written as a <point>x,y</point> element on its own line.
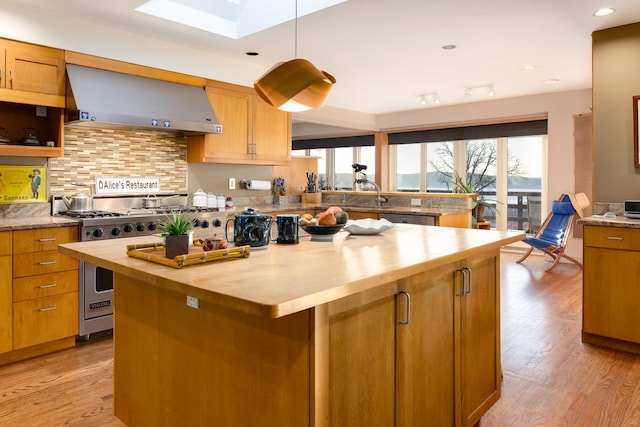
<point>610,287</point>
<point>45,287</point>
<point>6,292</point>
<point>424,348</point>
<point>253,132</point>
<point>32,74</point>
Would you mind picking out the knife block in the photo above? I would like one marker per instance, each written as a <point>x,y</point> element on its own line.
<point>311,198</point>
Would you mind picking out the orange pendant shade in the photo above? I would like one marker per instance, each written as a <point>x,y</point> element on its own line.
<point>295,85</point>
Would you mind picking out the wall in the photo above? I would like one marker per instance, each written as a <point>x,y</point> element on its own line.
<point>616,61</point>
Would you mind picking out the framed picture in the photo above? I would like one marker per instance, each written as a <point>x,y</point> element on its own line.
<point>636,131</point>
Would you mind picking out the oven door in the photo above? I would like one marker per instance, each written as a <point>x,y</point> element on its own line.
<point>98,291</point>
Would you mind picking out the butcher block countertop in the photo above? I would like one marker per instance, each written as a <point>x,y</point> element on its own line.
<point>286,279</point>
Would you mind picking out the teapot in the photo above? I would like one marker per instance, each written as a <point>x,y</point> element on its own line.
<point>79,202</point>
<point>250,228</point>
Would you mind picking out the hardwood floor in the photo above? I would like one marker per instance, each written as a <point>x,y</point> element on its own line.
<point>550,377</point>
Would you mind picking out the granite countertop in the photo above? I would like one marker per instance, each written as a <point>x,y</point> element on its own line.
<point>10,224</point>
<point>412,210</point>
<point>618,221</point>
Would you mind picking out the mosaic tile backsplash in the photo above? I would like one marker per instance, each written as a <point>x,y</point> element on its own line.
<point>89,153</point>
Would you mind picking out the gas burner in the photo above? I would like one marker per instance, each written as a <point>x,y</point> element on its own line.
<point>90,214</point>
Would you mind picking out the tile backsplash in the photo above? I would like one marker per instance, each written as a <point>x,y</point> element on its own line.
<point>89,153</point>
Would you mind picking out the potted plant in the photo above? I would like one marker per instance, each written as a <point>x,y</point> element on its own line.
<point>279,191</point>
<point>177,234</point>
<point>478,204</point>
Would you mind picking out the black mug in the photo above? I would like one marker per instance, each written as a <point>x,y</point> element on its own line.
<point>287,229</point>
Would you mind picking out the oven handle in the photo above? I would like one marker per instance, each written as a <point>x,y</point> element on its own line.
<point>47,262</point>
<point>50,285</point>
<point>47,239</point>
<point>53,307</point>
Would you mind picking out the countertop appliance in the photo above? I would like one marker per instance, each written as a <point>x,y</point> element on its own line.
<point>121,217</point>
<point>632,209</point>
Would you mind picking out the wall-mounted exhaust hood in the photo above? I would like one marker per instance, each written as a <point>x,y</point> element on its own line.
<point>110,100</point>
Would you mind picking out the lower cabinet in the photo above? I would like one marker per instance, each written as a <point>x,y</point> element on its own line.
<point>423,350</point>
<point>6,292</point>
<point>610,287</point>
<point>38,293</point>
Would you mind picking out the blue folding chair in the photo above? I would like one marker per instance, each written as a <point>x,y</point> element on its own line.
<point>553,234</point>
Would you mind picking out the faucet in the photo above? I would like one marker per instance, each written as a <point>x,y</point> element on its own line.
<point>379,198</point>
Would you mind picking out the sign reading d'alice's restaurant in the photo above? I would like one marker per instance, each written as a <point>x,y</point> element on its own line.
<point>127,185</point>
<point>23,184</point>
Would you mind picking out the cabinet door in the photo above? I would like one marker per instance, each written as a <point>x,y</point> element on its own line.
<point>611,292</point>
<point>6,304</point>
<point>35,68</point>
<point>271,133</point>
<point>362,359</point>
<point>232,145</point>
<point>425,352</point>
<point>478,338</point>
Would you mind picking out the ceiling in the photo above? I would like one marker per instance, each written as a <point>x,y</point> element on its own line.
<point>385,53</point>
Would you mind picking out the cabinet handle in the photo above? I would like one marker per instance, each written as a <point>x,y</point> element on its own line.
<point>614,238</point>
<point>469,279</point>
<point>50,285</point>
<point>408,318</point>
<point>47,239</point>
<point>0,73</point>
<point>464,279</point>
<point>10,75</point>
<point>53,307</point>
<point>47,262</point>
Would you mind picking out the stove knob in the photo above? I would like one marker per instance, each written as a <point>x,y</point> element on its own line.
<point>152,226</point>
<point>217,222</point>
<point>196,223</point>
<point>97,233</point>
<point>204,224</point>
<point>128,228</point>
<point>115,231</point>
<point>139,226</point>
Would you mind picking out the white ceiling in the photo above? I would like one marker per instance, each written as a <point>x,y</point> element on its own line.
<point>385,53</point>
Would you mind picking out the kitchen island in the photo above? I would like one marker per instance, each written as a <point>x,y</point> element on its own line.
<point>388,329</point>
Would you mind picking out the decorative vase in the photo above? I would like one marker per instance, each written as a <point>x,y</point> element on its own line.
<point>176,245</point>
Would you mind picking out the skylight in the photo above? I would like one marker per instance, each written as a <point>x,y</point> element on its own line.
<point>232,18</point>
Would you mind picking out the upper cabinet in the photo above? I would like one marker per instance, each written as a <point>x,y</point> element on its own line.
<point>32,98</point>
<point>32,74</point>
<point>253,132</point>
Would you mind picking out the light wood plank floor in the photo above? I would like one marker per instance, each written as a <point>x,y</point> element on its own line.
<point>550,377</point>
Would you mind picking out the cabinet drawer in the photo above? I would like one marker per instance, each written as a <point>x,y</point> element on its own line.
<point>45,285</point>
<point>612,238</point>
<point>34,263</point>
<point>42,239</point>
<point>5,243</point>
<point>44,319</point>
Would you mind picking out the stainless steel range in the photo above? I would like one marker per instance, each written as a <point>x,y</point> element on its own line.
<point>115,218</point>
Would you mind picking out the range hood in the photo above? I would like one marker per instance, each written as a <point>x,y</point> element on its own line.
<point>111,100</point>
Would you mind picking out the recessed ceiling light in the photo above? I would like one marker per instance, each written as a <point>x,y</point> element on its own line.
<point>528,67</point>
<point>604,12</point>
<point>551,81</point>
<point>449,46</point>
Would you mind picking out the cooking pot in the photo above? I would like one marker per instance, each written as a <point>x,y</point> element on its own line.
<point>151,201</point>
<point>27,136</point>
<point>5,139</point>
<point>250,228</point>
<point>79,202</point>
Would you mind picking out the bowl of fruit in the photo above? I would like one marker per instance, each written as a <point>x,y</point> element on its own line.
<point>324,225</point>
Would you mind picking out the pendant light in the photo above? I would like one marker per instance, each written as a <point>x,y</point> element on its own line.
<point>295,85</point>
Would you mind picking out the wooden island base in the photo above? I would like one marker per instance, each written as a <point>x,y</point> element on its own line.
<point>372,345</point>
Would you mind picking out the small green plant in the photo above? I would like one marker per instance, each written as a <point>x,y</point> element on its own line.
<point>177,224</point>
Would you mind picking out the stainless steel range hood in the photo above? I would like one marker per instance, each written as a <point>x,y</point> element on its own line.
<point>111,100</point>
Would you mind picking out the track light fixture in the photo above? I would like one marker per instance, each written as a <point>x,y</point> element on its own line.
<point>468,91</point>
<point>433,96</point>
<point>295,85</point>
